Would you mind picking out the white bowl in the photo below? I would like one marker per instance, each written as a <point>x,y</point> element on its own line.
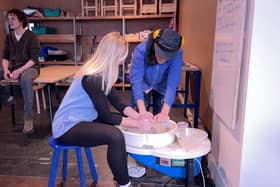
<point>136,138</point>
<point>188,138</point>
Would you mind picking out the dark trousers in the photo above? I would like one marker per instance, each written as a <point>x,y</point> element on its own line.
<point>154,99</point>
<point>26,83</point>
<point>92,134</point>
<point>4,95</point>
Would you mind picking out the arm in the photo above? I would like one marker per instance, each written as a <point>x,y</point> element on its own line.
<point>173,81</point>
<point>6,71</point>
<point>32,52</point>
<point>136,75</point>
<point>92,86</point>
<point>117,102</point>
<point>5,61</point>
<point>15,74</point>
<point>137,79</point>
<point>142,110</point>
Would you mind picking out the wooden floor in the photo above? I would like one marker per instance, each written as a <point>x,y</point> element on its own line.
<point>29,181</point>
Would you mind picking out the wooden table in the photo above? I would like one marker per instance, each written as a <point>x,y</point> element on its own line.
<point>52,74</point>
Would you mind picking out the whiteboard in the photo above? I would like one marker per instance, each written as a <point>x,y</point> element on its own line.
<point>229,34</point>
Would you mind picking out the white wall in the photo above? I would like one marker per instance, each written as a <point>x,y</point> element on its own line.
<point>250,157</point>
<point>261,143</point>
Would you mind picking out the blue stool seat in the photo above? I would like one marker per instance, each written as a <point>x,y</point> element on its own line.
<point>55,160</point>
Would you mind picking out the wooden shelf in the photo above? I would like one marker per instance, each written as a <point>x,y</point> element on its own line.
<point>150,16</point>
<point>70,18</point>
<point>57,38</point>
<point>59,18</point>
<point>92,18</point>
<point>64,62</point>
<point>124,17</point>
<point>133,40</point>
<point>127,85</point>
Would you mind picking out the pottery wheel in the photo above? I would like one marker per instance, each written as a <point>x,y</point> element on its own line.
<point>160,134</point>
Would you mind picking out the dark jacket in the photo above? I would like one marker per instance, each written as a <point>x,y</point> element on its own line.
<point>18,53</point>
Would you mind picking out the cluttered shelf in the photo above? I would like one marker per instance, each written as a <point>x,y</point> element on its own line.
<point>89,18</point>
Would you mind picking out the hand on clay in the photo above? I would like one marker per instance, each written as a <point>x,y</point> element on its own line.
<point>144,124</point>
<point>146,115</point>
<point>161,117</point>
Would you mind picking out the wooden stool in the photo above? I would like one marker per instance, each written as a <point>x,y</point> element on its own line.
<point>167,6</point>
<point>37,88</point>
<point>89,7</point>
<point>148,8</point>
<point>55,160</point>
<point>128,5</point>
<point>109,6</point>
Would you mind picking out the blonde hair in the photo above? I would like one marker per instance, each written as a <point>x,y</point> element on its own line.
<point>111,50</point>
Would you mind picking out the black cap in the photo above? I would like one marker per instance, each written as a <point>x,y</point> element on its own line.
<point>167,44</point>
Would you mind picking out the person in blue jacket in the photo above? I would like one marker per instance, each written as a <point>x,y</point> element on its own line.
<point>84,117</point>
<point>156,72</point>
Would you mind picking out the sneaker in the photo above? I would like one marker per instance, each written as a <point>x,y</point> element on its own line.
<point>10,101</point>
<point>28,127</point>
<point>136,171</point>
<point>127,185</point>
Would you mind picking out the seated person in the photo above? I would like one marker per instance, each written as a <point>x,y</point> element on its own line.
<point>84,118</point>
<point>20,61</point>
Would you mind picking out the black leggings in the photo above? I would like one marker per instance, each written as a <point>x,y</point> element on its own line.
<point>91,134</point>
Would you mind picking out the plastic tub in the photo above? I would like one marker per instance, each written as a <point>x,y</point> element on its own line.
<point>188,138</point>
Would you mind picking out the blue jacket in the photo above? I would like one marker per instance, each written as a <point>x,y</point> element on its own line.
<point>163,78</point>
<point>75,107</point>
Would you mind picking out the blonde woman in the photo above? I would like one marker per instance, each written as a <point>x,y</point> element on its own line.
<point>84,118</point>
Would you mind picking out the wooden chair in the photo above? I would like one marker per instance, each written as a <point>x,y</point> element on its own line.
<point>167,6</point>
<point>148,7</point>
<point>109,6</point>
<point>128,5</point>
<point>89,7</point>
<point>37,88</point>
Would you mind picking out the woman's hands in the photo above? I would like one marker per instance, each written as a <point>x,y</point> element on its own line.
<point>144,124</point>
<point>144,119</point>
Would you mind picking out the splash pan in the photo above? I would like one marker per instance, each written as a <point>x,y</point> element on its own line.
<point>161,134</point>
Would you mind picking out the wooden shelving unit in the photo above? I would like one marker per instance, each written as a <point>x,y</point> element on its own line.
<point>72,38</point>
<point>75,38</point>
